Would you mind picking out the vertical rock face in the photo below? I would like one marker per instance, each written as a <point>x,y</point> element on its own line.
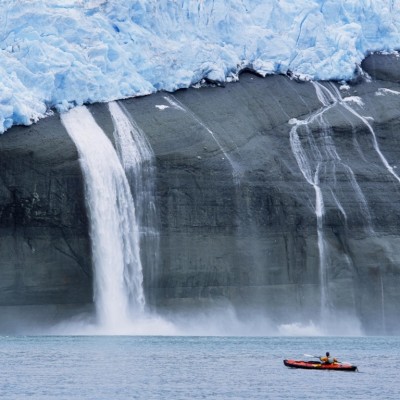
<point>44,245</point>
<point>237,197</point>
<point>239,218</point>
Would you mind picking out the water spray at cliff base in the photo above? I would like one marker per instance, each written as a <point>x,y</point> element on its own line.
<point>116,228</point>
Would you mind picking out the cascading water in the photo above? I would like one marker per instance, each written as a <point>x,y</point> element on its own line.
<point>312,176</point>
<point>383,304</point>
<point>337,99</point>
<point>118,292</point>
<point>334,96</point>
<point>137,158</point>
<point>312,144</point>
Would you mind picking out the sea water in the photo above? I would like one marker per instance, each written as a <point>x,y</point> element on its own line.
<point>184,367</point>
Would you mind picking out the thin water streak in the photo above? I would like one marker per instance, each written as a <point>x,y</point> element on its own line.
<point>236,170</point>
<point>383,304</point>
<point>322,156</point>
<point>137,158</point>
<point>337,98</point>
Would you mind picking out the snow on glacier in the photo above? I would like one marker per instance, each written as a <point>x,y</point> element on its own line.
<point>58,54</point>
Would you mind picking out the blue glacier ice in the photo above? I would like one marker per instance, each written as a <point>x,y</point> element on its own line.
<point>59,54</point>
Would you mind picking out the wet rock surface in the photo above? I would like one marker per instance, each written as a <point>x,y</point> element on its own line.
<point>238,216</point>
<point>44,246</point>
<point>382,66</point>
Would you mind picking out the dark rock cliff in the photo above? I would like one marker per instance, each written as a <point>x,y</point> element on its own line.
<point>237,215</point>
<point>45,253</point>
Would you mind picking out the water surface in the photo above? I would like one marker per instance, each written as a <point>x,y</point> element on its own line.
<point>150,367</point>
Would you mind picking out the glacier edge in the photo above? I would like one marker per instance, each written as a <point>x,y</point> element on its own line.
<point>56,56</point>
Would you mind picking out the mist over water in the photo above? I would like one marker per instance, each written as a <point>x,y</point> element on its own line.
<point>214,321</point>
<point>218,320</point>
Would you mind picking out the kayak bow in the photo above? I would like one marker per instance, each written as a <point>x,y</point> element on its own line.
<point>317,365</point>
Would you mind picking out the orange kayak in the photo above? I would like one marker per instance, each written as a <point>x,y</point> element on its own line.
<point>317,365</point>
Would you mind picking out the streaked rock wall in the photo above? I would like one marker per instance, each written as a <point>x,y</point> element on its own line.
<point>237,216</point>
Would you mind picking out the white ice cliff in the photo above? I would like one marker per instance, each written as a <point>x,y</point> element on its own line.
<point>58,54</point>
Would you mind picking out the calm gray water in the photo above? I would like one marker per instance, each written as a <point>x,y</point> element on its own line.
<point>148,367</point>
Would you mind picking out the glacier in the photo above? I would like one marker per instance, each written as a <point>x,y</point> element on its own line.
<point>57,55</point>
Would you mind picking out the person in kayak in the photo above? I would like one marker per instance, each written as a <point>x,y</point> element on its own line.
<point>327,359</point>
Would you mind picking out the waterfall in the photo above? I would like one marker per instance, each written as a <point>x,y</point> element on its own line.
<point>314,149</point>
<point>312,177</point>
<point>118,292</point>
<point>383,304</point>
<point>310,163</point>
<point>137,158</point>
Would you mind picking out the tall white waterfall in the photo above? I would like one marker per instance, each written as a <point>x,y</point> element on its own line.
<point>137,158</point>
<point>118,277</point>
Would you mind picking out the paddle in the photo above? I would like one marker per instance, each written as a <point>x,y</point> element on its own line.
<point>341,362</point>
<point>310,355</point>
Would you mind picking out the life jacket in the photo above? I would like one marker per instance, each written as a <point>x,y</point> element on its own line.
<point>328,360</point>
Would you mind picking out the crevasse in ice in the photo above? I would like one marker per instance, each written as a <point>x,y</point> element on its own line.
<point>58,54</point>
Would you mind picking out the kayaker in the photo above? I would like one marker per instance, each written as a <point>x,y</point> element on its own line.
<point>327,359</point>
